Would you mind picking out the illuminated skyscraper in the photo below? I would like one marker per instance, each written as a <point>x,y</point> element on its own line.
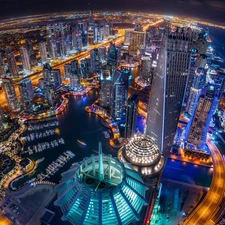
<point>67,70</point>
<point>90,36</point>
<point>74,74</point>
<point>74,80</point>
<point>102,53</point>
<point>85,65</point>
<point>26,93</point>
<point>49,94</point>
<point>30,52</point>
<point>95,61</point>
<point>119,94</point>
<point>91,18</point>
<point>77,40</point>
<point>25,58</point>
<point>106,31</point>
<point>146,68</point>
<point>105,90</point>
<point>195,91</point>
<point>127,37</point>
<point>57,80</point>
<point>131,116</point>
<point>10,94</point>
<point>52,77</point>
<point>137,41</point>
<point>168,88</point>
<point>11,62</point>
<point>201,119</point>
<point>114,53</point>
<point>42,49</point>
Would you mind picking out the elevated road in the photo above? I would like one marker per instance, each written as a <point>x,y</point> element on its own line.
<point>211,208</point>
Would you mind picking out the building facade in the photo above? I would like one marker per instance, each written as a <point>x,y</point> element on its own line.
<point>169,84</point>
<point>131,116</point>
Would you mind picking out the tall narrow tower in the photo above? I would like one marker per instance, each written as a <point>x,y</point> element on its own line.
<point>25,58</point>
<point>169,84</point>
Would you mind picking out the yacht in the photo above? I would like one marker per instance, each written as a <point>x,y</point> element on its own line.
<point>81,142</point>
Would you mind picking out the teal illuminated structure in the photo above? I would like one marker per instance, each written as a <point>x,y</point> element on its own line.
<point>101,190</point>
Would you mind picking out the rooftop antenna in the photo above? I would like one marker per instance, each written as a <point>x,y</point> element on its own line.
<point>100,168</point>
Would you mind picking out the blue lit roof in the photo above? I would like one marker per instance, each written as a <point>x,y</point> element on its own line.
<point>116,198</point>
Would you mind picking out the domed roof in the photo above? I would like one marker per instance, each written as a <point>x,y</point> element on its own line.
<point>142,150</point>
<point>101,190</point>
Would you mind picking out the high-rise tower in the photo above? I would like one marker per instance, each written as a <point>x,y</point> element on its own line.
<point>10,94</point>
<point>201,119</point>
<point>169,85</point>
<point>25,58</point>
<point>195,91</point>
<point>26,93</point>
<point>42,49</point>
<point>119,93</point>
<point>131,116</point>
<point>11,62</point>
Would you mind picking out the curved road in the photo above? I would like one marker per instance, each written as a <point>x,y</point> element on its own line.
<point>209,210</point>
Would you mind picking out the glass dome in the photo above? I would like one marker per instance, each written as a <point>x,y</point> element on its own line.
<point>142,150</point>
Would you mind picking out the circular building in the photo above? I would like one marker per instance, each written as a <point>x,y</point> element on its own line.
<point>101,190</point>
<point>143,154</point>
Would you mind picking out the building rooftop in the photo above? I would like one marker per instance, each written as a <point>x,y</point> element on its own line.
<point>101,190</point>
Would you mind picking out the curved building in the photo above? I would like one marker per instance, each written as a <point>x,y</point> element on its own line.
<point>101,190</point>
<point>143,154</point>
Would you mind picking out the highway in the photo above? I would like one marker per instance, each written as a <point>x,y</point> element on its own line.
<point>211,208</point>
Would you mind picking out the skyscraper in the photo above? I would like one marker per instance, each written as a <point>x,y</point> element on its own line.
<point>131,116</point>
<point>31,53</point>
<point>85,68</point>
<point>102,53</point>
<point>146,68</point>
<point>11,62</point>
<point>26,93</point>
<point>49,94</point>
<point>106,31</point>
<point>67,70</point>
<point>77,40</point>
<point>201,119</point>
<point>195,91</point>
<point>10,94</point>
<point>25,58</point>
<point>90,36</point>
<point>105,90</point>
<point>95,61</point>
<point>137,41</point>
<point>57,80</point>
<point>169,83</point>
<point>127,37</point>
<point>114,53</point>
<point>119,93</point>
<point>42,49</point>
<point>52,77</point>
<point>75,67</point>
<point>91,18</point>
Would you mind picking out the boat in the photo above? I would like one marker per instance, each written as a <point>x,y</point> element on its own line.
<point>81,142</point>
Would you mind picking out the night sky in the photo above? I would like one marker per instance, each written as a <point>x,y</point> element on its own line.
<point>213,10</point>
